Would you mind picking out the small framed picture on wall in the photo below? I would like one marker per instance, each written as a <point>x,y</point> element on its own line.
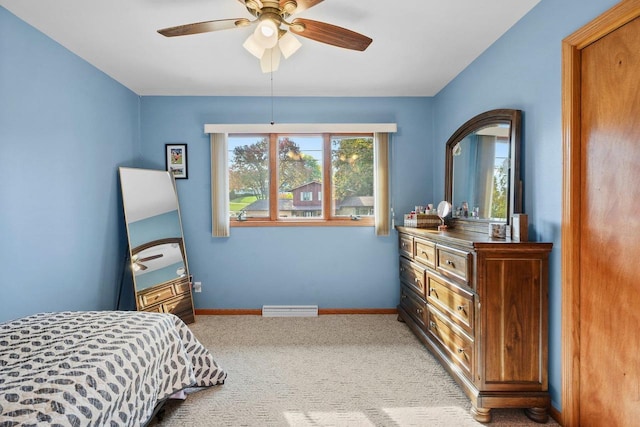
<point>176,159</point>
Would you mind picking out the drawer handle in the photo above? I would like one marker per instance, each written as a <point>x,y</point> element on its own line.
<point>433,291</point>
<point>404,245</point>
<point>401,270</point>
<point>419,311</point>
<point>462,308</point>
<point>449,262</point>
<point>417,280</point>
<point>461,350</point>
<point>425,254</point>
<point>433,325</point>
<point>403,296</point>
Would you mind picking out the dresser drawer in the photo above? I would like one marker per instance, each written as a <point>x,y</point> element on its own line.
<point>453,341</point>
<point>413,305</point>
<point>451,300</point>
<point>413,275</point>
<point>154,309</point>
<point>155,296</point>
<point>453,263</point>
<point>425,252</point>
<point>176,305</point>
<point>405,245</point>
<point>182,287</point>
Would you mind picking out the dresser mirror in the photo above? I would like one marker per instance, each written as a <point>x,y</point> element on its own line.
<point>156,244</point>
<point>482,170</point>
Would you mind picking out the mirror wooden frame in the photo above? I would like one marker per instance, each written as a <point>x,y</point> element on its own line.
<point>514,200</point>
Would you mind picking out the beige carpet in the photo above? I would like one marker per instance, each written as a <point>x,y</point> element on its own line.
<point>333,370</point>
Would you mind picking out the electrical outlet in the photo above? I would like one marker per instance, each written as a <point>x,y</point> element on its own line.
<point>197,287</point>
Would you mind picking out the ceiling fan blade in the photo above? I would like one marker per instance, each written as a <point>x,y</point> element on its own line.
<point>330,34</point>
<point>149,258</point>
<point>204,27</point>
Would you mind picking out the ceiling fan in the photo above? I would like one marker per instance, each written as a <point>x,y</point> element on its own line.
<point>270,40</point>
<point>138,262</point>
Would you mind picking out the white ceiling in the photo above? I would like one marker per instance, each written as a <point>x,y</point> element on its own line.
<point>418,45</point>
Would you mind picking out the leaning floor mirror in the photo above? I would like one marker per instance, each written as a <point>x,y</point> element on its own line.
<point>161,278</point>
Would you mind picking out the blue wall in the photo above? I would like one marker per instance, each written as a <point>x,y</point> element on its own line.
<point>343,267</point>
<point>522,70</point>
<point>65,127</point>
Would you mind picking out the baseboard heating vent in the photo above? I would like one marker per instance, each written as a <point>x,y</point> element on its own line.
<point>289,311</point>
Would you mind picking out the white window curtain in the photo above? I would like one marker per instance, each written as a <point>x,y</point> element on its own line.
<point>381,183</point>
<point>219,186</point>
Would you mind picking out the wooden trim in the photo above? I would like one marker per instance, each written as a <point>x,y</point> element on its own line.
<point>347,222</point>
<point>274,196</point>
<point>328,218</point>
<point>614,18</point>
<point>555,414</point>
<point>570,234</point>
<point>228,311</point>
<point>321,311</point>
<point>619,15</point>
<point>327,177</point>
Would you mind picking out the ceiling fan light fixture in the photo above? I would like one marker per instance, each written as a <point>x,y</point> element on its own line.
<point>270,60</point>
<point>288,45</point>
<point>253,46</point>
<point>266,34</point>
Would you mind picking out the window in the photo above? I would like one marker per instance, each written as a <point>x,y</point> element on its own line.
<point>302,165</point>
<point>259,173</point>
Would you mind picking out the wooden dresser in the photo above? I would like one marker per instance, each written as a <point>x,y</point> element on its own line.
<point>480,306</point>
<point>170,297</point>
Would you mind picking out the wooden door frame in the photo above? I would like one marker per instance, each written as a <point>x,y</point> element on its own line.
<point>614,18</point>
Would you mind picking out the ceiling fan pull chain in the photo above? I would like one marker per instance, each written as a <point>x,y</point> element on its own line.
<point>272,121</point>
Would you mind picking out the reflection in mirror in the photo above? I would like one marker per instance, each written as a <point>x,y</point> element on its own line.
<point>158,262</point>
<point>158,257</point>
<point>482,180</point>
<point>480,167</point>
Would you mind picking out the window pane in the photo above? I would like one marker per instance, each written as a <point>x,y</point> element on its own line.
<point>300,176</point>
<point>352,174</point>
<point>500,179</point>
<point>249,175</point>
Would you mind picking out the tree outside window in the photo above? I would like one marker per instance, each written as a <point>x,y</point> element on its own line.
<point>340,166</point>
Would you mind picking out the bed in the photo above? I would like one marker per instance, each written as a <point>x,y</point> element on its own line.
<point>98,368</point>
